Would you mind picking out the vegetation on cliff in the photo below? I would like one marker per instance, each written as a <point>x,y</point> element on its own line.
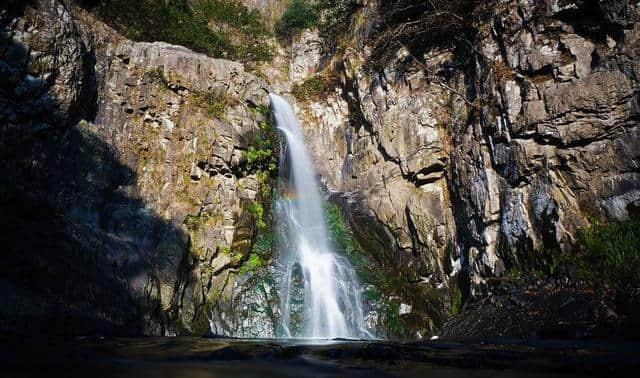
<point>219,28</point>
<point>262,154</point>
<point>331,17</point>
<point>607,254</point>
<point>386,288</point>
<point>314,87</point>
<point>612,252</point>
<point>301,14</point>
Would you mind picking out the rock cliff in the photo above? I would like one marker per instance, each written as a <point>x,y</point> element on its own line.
<point>453,174</point>
<point>129,204</point>
<point>126,189</point>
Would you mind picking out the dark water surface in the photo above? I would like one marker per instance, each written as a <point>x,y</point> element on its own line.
<point>189,357</point>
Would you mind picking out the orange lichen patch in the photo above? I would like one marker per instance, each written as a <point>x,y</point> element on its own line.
<point>502,72</point>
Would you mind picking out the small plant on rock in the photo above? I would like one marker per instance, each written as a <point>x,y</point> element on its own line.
<point>215,106</point>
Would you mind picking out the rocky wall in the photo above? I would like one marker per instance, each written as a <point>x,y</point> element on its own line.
<point>453,174</point>
<point>126,189</point>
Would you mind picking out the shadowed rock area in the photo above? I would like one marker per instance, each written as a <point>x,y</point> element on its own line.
<point>123,179</point>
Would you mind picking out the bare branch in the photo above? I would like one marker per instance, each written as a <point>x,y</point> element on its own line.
<point>435,79</point>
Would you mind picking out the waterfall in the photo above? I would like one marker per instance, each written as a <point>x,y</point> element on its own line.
<point>331,304</point>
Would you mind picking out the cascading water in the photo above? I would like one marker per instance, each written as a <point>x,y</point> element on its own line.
<point>331,306</point>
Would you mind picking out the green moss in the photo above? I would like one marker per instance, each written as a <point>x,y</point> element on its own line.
<point>195,224</point>
<point>386,286</point>
<point>264,242</point>
<point>261,248</point>
<point>257,210</point>
<point>184,194</point>
<point>253,263</point>
<point>236,257</point>
<point>456,299</point>
<point>224,249</point>
<point>262,157</point>
<point>217,291</point>
<point>262,151</point>
<point>339,230</point>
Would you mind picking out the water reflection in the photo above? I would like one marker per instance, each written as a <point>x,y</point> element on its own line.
<point>186,357</point>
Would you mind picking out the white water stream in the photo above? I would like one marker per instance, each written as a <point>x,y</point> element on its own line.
<point>332,304</point>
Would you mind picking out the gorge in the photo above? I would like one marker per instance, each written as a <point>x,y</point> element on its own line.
<point>267,174</point>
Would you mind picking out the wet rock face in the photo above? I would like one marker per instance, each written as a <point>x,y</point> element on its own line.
<point>146,196</point>
<point>455,174</point>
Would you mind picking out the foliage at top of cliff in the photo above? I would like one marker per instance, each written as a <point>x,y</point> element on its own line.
<point>301,14</point>
<point>329,16</point>
<point>415,24</point>
<point>219,28</point>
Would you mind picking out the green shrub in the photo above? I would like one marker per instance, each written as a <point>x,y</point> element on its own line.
<point>257,210</point>
<point>246,27</point>
<point>232,13</point>
<point>330,16</point>
<point>178,22</point>
<point>339,230</point>
<point>301,14</point>
<point>262,245</point>
<point>156,75</point>
<point>612,252</point>
<point>259,156</point>
<point>335,16</point>
<point>262,155</point>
